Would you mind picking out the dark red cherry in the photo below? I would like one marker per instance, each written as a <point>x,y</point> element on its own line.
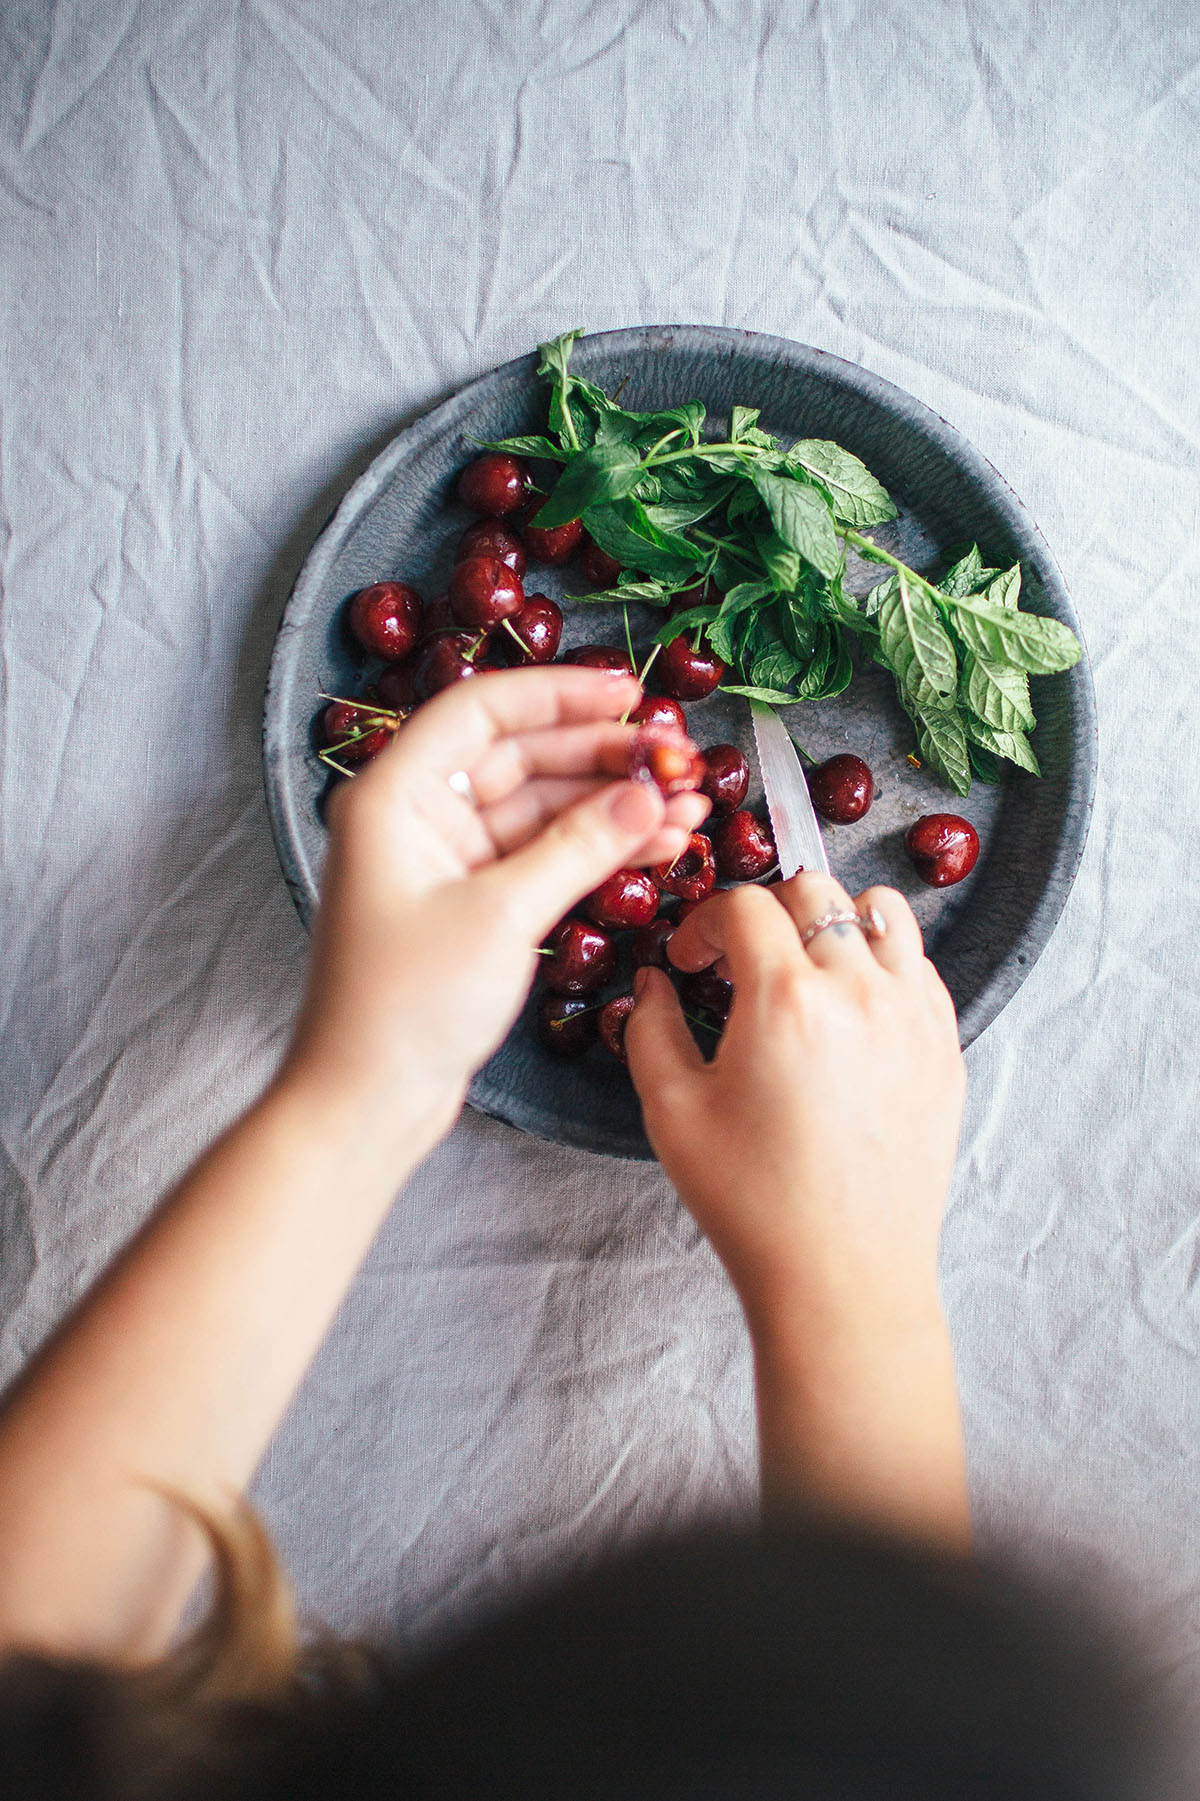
<point>684,673</point>
<point>494,483</point>
<point>744,846</point>
<point>628,898</point>
<point>683,909</point>
<point>601,569</point>
<point>705,988</point>
<point>438,618</point>
<point>602,656</point>
<point>441,662</point>
<point>659,709</point>
<point>944,848</point>
<point>396,688</point>
<point>658,754</point>
<point>356,731</point>
<point>842,788</point>
<point>726,777</point>
<point>582,958</point>
<point>491,538</point>
<point>554,544</point>
<point>532,633</point>
<point>566,1024</point>
<point>650,943</point>
<point>483,591</point>
<point>693,874</point>
<point>386,619</point>
<point>614,1017</point>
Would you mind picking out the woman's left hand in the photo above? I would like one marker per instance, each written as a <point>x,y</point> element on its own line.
<point>433,906</point>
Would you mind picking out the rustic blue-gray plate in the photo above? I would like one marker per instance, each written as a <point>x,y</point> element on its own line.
<point>400,520</point>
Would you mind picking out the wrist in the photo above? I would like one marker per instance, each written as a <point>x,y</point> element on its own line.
<point>379,1131</point>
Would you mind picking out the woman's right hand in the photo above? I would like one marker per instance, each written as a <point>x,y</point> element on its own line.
<point>815,1151</point>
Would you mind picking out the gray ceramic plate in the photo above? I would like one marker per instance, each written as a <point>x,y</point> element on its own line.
<point>400,520</point>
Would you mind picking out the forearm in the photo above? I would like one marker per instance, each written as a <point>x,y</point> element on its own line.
<point>859,1416</point>
<point>176,1369</point>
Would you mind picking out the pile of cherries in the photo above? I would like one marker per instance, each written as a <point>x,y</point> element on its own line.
<point>485,620</point>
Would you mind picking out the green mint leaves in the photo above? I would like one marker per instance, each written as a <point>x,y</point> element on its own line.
<point>768,526</point>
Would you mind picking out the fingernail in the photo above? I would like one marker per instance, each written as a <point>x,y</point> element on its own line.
<point>633,808</point>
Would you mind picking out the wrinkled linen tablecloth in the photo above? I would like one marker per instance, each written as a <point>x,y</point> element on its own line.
<point>239,245</point>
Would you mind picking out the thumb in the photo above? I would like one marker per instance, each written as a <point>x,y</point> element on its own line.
<point>660,1048</point>
<point>580,847</point>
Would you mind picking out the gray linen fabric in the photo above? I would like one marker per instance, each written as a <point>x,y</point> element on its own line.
<point>241,243</point>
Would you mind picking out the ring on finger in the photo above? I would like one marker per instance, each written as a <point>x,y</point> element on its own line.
<point>870,923</point>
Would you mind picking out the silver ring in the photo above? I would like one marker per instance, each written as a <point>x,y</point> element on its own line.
<point>871,924</point>
<point>460,783</point>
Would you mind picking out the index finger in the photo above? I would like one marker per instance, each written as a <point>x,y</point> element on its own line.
<point>748,928</point>
<point>458,725</point>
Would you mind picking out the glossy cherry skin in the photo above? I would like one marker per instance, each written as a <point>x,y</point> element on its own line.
<point>650,944</point>
<point>659,709</point>
<point>693,874</point>
<point>566,1024</point>
<point>601,569</point>
<point>944,848</point>
<point>684,673</point>
<point>386,619</point>
<point>395,685</point>
<point>842,788</point>
<point>658,754</point>
<point>495,484</point>
<point>555,544</point>
<point>358,732</point>
<point>582,958</point>
<point>705,988</point>
<point>492,538</point>
<point>483,591</point>
<point>726,777</point>
<point>442,662</point>
<point>743,846</point>
<point>602,656</point>
<point>628,898</point>
<point>614,1017</point>
<point>538,625</point>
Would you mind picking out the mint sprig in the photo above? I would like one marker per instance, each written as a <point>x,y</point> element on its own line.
<point>770,525</point>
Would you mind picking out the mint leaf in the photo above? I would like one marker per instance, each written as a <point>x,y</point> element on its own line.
<point>857,498</point>
<point>917,646</point>
<point>775,668</point>
<point>685,622</point>
<point>1014,746</point>
<point>774,697</point>
<point>745,594</point>
<point>591,477</point>
<point>743,502</point>
<point>963,576</point>
<point>802,519</point>
<point>780,561</point>
<point>1004,587</point>
<point>997,694</point>
<point>1001,634</point>
<point>942,743</point>
<point>623,531</point>
<point>529,447</point>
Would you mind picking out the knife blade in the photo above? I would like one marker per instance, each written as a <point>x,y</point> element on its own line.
<point>793,821</point>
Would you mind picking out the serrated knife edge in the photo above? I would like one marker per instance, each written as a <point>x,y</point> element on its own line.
<point>797,835</point>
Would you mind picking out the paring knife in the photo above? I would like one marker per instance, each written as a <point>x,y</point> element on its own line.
<point>793,821</point>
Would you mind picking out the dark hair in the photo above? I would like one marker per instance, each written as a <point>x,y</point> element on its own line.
<point>801,1663</point>
<point>808,1663</point>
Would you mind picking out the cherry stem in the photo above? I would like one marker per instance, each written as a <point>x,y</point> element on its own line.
<point>472,651</point>
<point>648,665</point>
<point>362,706</point>
<point>515,635</point>
<point>328,758</point>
